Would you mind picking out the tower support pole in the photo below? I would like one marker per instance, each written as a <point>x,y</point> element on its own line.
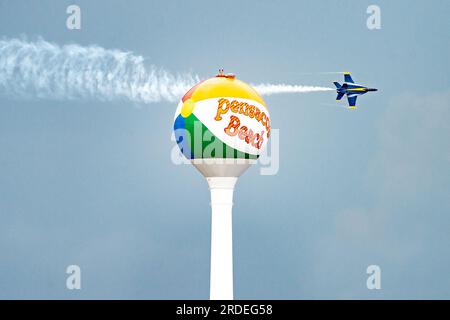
<point>221,276</point>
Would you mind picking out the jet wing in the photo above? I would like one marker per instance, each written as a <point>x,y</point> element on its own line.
<point>348,77</point>
<point>352,101</point>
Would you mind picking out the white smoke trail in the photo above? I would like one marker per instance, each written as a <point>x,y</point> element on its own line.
<point>269,89</point>
<point>45,70</point>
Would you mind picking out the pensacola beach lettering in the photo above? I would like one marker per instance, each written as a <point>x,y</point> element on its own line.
<point>234,127</point>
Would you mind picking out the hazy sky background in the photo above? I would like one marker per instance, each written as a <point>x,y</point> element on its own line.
<point>91,183</point>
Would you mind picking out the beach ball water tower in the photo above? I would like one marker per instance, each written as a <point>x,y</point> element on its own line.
<point>222,125</point>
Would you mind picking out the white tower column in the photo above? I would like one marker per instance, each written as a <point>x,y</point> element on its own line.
<point>221,175</point>
<point>221,276</point>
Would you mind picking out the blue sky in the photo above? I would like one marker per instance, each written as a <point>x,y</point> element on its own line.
<point>91,183</point>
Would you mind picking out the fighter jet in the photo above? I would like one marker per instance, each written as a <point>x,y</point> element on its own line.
<point>351,89</point>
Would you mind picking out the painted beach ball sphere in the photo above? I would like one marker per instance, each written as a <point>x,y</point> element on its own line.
<point>222,117</point>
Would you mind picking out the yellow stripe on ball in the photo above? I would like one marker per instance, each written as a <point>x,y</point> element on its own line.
<point>187,108</point>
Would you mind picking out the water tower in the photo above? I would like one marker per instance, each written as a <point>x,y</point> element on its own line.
<point>222,125</point>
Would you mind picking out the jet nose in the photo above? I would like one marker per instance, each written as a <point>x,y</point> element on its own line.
<point>373,89</point>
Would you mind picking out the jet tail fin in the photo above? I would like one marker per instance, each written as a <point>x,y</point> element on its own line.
<point>337,85</point>
<point>339,96</point>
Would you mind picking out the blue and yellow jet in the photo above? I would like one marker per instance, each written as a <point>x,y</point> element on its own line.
<point>351,89</point>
